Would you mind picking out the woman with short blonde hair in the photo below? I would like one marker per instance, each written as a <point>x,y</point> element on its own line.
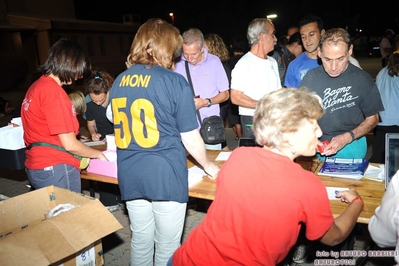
<point>283,111</point>
<point>78,101</point>
<point>263,197</point>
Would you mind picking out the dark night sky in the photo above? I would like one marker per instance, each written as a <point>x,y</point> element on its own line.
<point>227,18</point>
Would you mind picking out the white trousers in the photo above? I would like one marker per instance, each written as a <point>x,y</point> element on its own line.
<point>156,226</point>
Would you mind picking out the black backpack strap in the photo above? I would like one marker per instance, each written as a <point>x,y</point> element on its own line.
<point>192,88</point>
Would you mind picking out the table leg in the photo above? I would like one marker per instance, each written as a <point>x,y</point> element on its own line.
<point>91,188</point>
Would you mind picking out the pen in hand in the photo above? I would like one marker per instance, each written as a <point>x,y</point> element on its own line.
<point>96,136</point>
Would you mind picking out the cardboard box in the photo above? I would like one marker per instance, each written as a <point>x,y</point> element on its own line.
<point>108,168</point>
<point>13,159</point>
<point>27,237</point>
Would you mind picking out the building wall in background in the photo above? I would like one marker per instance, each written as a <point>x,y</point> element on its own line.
<point>29,31</point>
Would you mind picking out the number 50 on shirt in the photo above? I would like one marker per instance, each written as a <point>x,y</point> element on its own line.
<point>137,121</point>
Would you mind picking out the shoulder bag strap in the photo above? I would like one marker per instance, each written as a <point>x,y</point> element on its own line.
<point>52,146</point>
<point>192,88</point>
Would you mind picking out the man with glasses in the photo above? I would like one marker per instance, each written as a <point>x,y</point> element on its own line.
<point>208,76</point>
<point>255,74</point>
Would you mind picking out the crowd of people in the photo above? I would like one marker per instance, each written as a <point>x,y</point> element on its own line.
<point>288,94</point>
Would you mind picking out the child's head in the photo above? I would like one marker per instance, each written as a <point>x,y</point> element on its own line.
<point>78,101</point>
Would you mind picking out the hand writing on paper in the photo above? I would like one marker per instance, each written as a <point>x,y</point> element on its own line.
<point>95,136</point>
<point>347,196</point>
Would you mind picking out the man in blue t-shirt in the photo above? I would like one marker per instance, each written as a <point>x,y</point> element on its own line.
<point>311,28</point>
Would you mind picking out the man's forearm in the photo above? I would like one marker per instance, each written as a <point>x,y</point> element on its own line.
<point>240,99</point>
<point>221,97</point>
<point>366,126</point>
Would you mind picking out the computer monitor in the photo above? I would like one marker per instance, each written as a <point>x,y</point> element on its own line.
<point>248,142</point>
<point>391,156</point>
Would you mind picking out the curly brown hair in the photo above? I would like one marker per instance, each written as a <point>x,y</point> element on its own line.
<point>98,82</point>
<point>216,46</point>
<point>393,64</point>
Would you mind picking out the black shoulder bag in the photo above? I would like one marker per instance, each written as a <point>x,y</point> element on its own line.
<point>212,128</point>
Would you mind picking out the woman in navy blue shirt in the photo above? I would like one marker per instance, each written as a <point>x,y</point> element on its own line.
<point>155,123</point>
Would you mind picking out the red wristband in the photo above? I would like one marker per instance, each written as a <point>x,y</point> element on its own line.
<point>358,198</point>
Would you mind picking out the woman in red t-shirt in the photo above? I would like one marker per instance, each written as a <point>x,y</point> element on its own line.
<point>263,196</point>
<point>50,123</point>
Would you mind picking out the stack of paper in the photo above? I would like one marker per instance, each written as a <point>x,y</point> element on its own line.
<point>346,168</point>
<point>375,173</point>
<point>111,145</point>
<point>12,135</point>
<point>94,143</point>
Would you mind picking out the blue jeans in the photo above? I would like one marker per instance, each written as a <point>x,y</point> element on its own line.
<point>60,175</point>
<point>157,222</point>
<point>169,262</point>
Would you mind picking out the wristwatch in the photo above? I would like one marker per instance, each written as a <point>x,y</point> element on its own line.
<point>209,102</point>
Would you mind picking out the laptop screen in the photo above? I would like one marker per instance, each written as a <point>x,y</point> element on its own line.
<point>391,156</point>
<point>248,142</point>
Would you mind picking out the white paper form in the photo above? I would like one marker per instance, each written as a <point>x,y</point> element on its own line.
<point>331,192</point>
<point>223,156</point>
<point>195,175</point>
<point>375,173</point>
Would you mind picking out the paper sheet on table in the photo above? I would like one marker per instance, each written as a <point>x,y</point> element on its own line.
<point>195,175</point>
<point>375,173</point>
<point>111,155</point>
<point>331,192</point>
<point>223,156</point>
<point>94,143</point>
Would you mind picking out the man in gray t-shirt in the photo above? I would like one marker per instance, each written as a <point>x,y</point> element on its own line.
<point>350,97</point>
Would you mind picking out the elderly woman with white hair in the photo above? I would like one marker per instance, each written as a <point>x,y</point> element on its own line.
<point>263,196</point>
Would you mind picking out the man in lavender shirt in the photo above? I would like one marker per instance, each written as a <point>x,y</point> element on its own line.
<point>209,78</point>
